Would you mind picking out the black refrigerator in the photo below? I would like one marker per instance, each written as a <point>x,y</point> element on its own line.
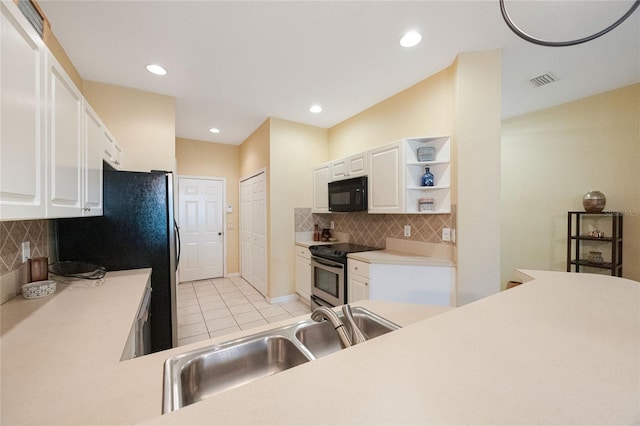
<point>137,230</point>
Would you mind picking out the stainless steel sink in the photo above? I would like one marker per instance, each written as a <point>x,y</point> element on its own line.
<point>198,374</point>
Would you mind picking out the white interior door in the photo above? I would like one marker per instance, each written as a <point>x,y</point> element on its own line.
<point>253,195</point>
<point>201,228</point>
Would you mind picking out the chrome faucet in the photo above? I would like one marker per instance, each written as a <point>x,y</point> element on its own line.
<point>357,336</point>
<point>324,313</point>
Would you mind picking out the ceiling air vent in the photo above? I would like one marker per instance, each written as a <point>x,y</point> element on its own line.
<point>543,79</point>
<point>30,11</point>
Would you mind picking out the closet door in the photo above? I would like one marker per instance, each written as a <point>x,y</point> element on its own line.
<point>253,195</point>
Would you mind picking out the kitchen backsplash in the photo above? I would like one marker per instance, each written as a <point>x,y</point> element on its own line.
<point>374,229</point>
<point>12,234</point>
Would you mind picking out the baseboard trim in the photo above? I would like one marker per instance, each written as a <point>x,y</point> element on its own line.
<point>232,275</point>
<point>283,299</point>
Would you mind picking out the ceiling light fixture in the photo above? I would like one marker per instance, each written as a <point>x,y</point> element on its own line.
<point>410,39</point>
<point>315,109</point>
<point>214,130</point>
<point>156,69</point>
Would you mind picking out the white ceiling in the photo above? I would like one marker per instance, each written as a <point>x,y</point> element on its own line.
<point>233,64</point>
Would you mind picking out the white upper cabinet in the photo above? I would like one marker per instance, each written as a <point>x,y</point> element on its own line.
<point>321,176</point>
<point>94,136</point>
<point>112,153</point>
<point>52,142</point>
<point>22,118</point>
<point>395,176</point>
<point>349,167</point>
<point>386,193</point>
<point>64,131</point>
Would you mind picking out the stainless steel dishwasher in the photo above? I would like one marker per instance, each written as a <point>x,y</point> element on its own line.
<point>143,329</point>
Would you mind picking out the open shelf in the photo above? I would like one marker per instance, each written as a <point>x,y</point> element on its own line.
<point>579,241</point>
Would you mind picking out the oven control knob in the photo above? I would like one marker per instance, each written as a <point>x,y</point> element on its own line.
<point>338,253</point>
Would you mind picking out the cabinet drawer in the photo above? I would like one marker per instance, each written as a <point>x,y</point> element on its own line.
<point>358,267</point>
<point>303,251</point>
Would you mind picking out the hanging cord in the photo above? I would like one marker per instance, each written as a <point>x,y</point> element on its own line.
<point>540,42</point>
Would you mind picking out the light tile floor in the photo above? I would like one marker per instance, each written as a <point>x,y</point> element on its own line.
<point>219,306</point>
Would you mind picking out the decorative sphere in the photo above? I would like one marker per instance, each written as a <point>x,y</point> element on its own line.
<point>594,201</point>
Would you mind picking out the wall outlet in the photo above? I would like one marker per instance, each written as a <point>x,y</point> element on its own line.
<point>407,230</point>
<point>446,234</point>
<point>26,251</point>
<point>332,225</point>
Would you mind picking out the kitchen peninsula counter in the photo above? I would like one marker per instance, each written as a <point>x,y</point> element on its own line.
<point>391,257</point>
<point>562,348</point>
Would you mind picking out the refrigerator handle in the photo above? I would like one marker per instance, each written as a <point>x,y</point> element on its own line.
<point>177,233</point>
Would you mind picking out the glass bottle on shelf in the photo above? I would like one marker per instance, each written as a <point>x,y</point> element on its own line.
<point>427,177</point>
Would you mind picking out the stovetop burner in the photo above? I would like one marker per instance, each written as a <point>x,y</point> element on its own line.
<point>339,251</point>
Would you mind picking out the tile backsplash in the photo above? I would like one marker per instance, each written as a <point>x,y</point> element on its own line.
<point>12,234</point>
<point>374,229</point>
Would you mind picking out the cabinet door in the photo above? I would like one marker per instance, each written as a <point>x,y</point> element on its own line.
<point>357,288</point>
<point>94,131</point>
<point>357,165</point>
<point>385,179</point>
<point>119,157</point>
<point>303,277</point>
<point>22,120</point>
<point>112,153</point>
<point>339,169</point>
<point>321,189</point>
<point>349,167</point>
<point>65,143</point>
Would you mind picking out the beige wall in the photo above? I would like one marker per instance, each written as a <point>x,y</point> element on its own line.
<point>206,159</point>
<point>254,151</point>
<point>425,109</point>
<point>551,158</point>
<point>294,149</point>
<point>143,123</point>
<point>477,173</point>
<point>462,100</point>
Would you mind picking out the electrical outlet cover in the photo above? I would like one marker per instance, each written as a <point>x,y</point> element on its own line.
<point>26,251</point>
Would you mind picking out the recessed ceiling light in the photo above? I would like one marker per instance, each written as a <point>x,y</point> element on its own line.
<point>315,109</point>
<point>214,130</point>
<point>156,69</point>
<point>410,39</point>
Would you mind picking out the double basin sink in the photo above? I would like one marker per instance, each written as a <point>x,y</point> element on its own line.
<point>195,375</point>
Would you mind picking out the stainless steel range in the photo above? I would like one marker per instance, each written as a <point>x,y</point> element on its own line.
<point>329,273</point>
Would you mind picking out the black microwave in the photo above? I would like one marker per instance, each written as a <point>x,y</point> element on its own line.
<point>349,195</point>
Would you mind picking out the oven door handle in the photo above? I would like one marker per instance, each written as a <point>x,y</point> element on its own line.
<point>327,263</point>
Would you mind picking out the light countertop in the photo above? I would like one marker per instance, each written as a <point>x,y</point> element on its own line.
<point>308,244</point>
<point>398,258</point>
<point>560,349</point>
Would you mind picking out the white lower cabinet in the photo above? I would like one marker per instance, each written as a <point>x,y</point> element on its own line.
<point>357,281</point>
<point>303,273</point>
<point>421,284</point>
